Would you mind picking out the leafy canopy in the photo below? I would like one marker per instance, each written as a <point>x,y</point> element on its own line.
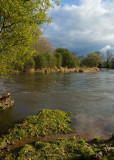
<point>20,24</point>
<point>91,60</point>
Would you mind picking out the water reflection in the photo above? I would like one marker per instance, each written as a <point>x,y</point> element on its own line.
<point>90,96</point>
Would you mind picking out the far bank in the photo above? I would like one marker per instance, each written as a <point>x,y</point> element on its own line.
<point>65,70</point>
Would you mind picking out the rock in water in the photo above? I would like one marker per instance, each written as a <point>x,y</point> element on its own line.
<point>6,101</point>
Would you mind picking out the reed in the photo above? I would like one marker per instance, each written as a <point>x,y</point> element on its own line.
<point>66,70</point>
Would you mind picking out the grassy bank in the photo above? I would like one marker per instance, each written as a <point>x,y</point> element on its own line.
<point>65,70</point>
<point>39,137</point>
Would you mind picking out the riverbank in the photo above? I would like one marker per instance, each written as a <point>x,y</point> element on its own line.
<point>65,70</point>
<point>48,136</point>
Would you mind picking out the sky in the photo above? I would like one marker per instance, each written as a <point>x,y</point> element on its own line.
<point>83,26</point>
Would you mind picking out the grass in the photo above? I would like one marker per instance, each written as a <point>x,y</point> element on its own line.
<point>44,123</point>
<point>63,149</point>
<point>53,122</point>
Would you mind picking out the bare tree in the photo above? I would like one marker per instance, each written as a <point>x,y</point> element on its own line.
<point>109,57</point>
<point>42,45</point>
<point>75,54</point>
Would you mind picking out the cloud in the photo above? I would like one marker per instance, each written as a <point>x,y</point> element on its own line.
<point>83,28</point>
<point>108,47</point>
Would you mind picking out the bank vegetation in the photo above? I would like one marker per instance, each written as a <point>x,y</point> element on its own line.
<point>39,137</point>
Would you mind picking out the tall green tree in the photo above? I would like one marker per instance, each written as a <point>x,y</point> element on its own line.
<point>91,60</point>
<point>45,60</point>
<point>19,21</point>
<point>67,59</point>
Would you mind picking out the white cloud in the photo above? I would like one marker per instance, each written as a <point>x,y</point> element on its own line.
<point>108,47</point>
<point>83,28</point>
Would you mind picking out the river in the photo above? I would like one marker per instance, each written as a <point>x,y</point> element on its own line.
<point>89,96</point>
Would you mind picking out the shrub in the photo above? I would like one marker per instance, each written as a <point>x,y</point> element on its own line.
<point>97,140</point>
<point>50,60</point>
<point>40,61</point>
<point>45,60</point>
<point>91,60</point>
<point>59,60</point>
<point>29,63</point>
<point>67,59</point>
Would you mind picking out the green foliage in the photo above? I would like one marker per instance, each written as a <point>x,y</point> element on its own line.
<point>112,63</point>
<point>91,60</point>
<point>44,123</point>
<point>67,59</point>
<point>50,60</point>
<point>19,21</point>
<point>45,60</point>
<point>76,62</point>
<point>58,149</point>
<point>48,122</point>
<point>59,60</point>
<point>109,157</point>
<point>29,64</point>
<point>97,140</point>
<point>40,61</point>
<point>108,64</point>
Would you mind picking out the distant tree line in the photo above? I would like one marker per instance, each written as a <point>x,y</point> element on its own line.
<point>98,59</point>
<point>59,58</point>
<point>45,56</point>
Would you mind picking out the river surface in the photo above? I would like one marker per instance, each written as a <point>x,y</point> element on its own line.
<point>89,96</point>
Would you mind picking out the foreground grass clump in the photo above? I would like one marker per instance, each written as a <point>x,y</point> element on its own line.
<point>63,149</point>
<point>44,123</point>
<point>16,145</point>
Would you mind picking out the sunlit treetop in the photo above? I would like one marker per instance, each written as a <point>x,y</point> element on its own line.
<point>20,23</point>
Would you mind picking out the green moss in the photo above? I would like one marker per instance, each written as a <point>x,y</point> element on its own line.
<point>109,157</point>
<point>55,122</point>
<point>44,123</point>
<point>60,149</point>
<point>97,140</point>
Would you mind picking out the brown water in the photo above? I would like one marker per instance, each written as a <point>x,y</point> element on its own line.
<point>89,96</point>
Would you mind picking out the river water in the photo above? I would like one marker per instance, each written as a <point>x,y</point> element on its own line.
<point>89,96</point>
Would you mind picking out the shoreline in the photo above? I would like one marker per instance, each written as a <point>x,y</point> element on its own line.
<point>64,70</point>
<point>48,132</point>
<point>17,144</point>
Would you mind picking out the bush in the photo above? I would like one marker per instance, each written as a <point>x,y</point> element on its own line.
<point>40,61</point>
<point>45,60</point>
<point>97,140</point>
<point>67,59</point>
<point>29,63</point>
<point>91,60</point>
<point>50,60</point>
<point>59,60</point>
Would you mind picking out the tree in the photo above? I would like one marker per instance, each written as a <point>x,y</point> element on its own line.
<point>75,54</point>
<point>40,61</point>
<point>59,60</point>
<point>19,20</point>
<point>91,60</point>
<point>109,57</point>
<point>29,64</point>
<point>50,60</point>
<point>102,58</point>
<point>42,45</point>
<point>112,63</point>
<point>67,59</point>
<point>45,60</point>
